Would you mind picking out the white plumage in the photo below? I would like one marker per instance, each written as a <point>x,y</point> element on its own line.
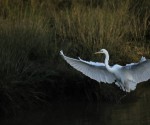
<point>126,77</point>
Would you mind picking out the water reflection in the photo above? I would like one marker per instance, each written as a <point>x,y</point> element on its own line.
<point>133,113</point>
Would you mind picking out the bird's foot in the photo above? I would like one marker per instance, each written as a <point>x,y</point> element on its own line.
<point>119,101</point>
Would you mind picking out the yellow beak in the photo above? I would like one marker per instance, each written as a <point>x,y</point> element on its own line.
<point>97,52</point>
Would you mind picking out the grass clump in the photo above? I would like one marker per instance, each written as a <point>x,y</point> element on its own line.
<point>33,32</point>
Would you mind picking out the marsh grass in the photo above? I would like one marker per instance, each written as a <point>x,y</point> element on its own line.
<point>96,28</point>
<point>33,32</point>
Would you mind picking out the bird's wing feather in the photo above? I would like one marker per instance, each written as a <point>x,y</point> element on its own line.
<point>96,71</point>
<point>140,71</point>
<point>141,60</point>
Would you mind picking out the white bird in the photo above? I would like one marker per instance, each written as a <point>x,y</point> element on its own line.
<point>126,77</point>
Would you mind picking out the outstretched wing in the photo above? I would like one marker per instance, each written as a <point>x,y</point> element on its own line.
<point>96,71</point>
<point>140,71</point>
<point>141,60</point>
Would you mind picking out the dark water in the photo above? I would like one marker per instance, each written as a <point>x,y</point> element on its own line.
<point>129,113</point>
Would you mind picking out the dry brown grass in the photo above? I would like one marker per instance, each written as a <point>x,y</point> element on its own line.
<point>32,34</point>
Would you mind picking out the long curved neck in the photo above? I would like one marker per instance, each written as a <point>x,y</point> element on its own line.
<point>107,62</point>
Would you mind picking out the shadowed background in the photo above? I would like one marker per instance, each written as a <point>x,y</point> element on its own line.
<point>32,32</point>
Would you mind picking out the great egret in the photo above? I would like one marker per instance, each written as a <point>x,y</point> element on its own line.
<point>126,77</point>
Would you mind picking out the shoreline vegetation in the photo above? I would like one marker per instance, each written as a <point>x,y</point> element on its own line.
<point>32,32</point>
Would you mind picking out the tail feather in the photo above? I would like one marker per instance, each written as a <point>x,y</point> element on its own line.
<point>130,86</point>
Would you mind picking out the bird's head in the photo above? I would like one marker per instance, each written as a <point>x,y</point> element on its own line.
<point>101,51</point>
